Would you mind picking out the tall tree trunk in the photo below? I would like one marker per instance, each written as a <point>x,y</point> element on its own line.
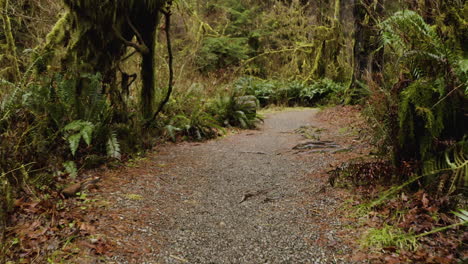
<point>367,57</point>
<point>148,70</point>
<point>10,41</point>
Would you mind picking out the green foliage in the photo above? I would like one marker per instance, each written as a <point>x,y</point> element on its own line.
<point>290,93</point>
<point>77,130</point>
<point>197,125</point>
<point>202,116</point>
<point>235,111</point>
<point>463,215</point>
<point>322,89</point>
<point>389,236</point>
<point>263,90</point>
<point>425,108</point>
<point>113,146</point>
<point>39,121</point>
<point>451,168</point>
<point>71,169</point>
<point>190,119</point>
<point>418,45</point>
<point>220,52</point>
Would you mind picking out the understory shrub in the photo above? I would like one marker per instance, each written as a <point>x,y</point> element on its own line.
<point>220,52</point>
<point>237,111</point>
<point>422,115</point>
<point>200,118</point>
<point>291,93</point>
<point>47,126</point>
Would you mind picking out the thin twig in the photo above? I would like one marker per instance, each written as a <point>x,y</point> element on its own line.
<point>445,97</point>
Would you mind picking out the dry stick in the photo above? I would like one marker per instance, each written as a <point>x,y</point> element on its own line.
<point>445,97</point>
<point>436,230</point>
<point>167,15</point>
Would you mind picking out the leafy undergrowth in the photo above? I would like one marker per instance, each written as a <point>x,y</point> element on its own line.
<point>402,228</point>
<point>401,222</point>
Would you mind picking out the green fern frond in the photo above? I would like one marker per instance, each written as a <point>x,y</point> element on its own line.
<point>171,131</point>
<point>462,214</point>
<point>79,129</point>
<point>453,161</point>
<point>74,142</point>
<point>70,168</point>
<point>113,146</point>
<point>417,43</point>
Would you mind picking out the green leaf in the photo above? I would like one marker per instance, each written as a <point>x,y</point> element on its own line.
<point>74,126</point>
<point>113,147</point>
<point>74,141</point>
<point>462,214</point>
<point>87,132</point>
<point>70,168</point>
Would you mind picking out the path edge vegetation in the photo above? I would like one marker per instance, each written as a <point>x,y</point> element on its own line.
<point>65,98</point>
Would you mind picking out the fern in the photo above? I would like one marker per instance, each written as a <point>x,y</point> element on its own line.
<point>76,130</point>
<point>171,131</point>
<point>427,105</point>
<point>70,168</point>
<point>74,141</point>
<point>414,39</point>
<point>463,215</point>
<point>453,161</point>
<point>113,147</point>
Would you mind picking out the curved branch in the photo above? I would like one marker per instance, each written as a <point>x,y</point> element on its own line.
<point>142,48</point>
<point>137,33</point>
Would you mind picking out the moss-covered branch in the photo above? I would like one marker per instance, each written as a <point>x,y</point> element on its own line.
<point>10,41</point>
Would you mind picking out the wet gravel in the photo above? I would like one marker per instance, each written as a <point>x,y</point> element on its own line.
<point>245,198</point>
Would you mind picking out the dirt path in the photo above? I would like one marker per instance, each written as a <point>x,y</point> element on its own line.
<point>245,198</point>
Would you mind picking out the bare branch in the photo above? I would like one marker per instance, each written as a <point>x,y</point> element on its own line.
<point>142,48</point>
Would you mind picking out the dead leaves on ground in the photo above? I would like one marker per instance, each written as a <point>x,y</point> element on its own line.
<point>53,228</point>
<point>418,213</point>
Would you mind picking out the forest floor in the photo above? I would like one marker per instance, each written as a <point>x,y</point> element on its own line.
<point>252,196</point>
<point>257,196</point>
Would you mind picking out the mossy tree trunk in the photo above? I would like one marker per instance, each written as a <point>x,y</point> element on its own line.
<point>367,57</point>
<point>10,41</point>
<point>329,41</point>
<point>148,73</point>
<point>96,38</point>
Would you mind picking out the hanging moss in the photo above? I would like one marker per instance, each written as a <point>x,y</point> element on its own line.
<point>329,41</point>
<point>95,36</point>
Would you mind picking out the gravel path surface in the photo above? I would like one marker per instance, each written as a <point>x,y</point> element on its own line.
<point>245,198</point>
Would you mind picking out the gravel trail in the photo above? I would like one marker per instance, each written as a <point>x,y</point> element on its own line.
<point>245,198</point>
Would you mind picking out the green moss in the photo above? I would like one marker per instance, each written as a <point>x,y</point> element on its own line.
<point>94,36</point>
<point>59,31</point>
<point>10,41</point>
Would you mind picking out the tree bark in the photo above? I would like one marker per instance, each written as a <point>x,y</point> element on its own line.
<point>10,41</point>
<point>367,57</point>
<point>148,73</point>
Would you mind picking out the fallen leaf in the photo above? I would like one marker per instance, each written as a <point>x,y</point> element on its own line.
<point>425,201</point>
